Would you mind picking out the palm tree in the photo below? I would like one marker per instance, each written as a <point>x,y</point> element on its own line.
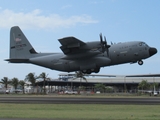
<point>144,85</point>
<point>22,84</point>
<point>79,74</point>
<point>15,83</point>
<point>32,79</point>
<point>45,77</point>
<point>5,81</point>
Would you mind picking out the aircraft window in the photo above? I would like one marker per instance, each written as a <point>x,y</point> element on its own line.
<point>145,44</point>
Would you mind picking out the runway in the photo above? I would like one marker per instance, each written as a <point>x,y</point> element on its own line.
<point>79,100</point>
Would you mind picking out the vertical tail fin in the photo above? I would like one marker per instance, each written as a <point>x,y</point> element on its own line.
<point>20,48</point>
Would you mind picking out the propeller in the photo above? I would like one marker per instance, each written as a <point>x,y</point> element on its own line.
<point>104,44</point>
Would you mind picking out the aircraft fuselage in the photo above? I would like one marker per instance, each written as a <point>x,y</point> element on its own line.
<point>129,52</point>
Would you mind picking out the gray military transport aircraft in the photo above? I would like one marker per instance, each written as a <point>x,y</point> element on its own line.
<point>77,55</point>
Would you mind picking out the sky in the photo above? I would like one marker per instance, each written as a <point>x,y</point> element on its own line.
<point>45,21</point>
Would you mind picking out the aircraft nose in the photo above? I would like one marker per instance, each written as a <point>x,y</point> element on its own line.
<point>152,51</point>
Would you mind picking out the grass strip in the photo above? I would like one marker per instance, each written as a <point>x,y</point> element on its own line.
<point>80,111</point>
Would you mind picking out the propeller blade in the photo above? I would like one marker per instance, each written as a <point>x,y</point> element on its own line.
<point>102,43</point>
<point>106,46</point>
<point>101,39</point>
<point>105,38</point>
<point>105,42</point>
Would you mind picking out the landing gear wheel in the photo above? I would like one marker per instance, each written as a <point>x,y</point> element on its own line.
<point>84,71</point>
<point>97,70</point>
<point>88,71</point>
<point>140,62</point>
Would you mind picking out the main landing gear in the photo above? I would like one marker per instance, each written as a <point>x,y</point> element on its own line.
<point>89,71</point>
<point>140,62</point>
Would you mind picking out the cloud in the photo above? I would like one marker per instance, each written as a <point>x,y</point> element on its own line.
<point>66,6</point>
<point>97,2</point>
<point>35,19</point>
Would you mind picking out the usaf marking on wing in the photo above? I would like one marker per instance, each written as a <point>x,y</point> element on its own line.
<point>77,55</point>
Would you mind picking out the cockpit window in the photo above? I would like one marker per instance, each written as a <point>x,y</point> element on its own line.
<point>142,44</point>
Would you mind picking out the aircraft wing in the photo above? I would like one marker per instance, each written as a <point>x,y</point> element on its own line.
<point>71,45</point>
<point>145,75</point>
<point>93,75</point>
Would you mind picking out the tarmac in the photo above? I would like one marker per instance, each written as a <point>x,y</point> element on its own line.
<point>79,100</point>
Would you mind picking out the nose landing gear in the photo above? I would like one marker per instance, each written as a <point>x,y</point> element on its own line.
<point>140,62</point>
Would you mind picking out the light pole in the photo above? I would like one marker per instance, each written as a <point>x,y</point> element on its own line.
<point>125,84</point>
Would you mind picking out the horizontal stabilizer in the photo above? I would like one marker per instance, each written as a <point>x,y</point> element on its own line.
<point>18,60</point>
